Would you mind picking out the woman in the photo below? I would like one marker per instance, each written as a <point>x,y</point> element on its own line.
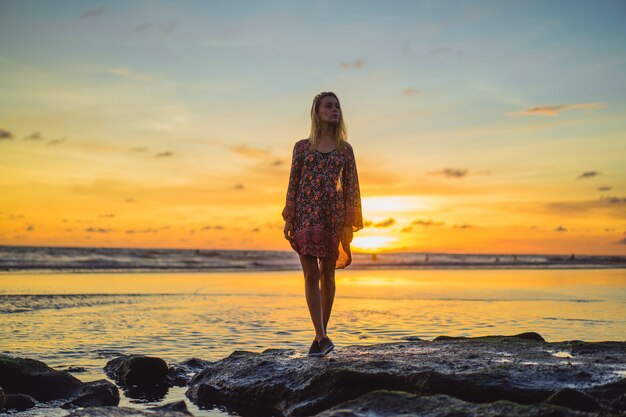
<point>323,209</point>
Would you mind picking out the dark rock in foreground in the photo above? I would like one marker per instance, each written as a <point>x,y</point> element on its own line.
<point>3,399</point>
<point>137,370</point>
<point>36,379</point>
<point>125,412</point>
<point>523,370</point>
<point>20,402</point>
<point>394,403</point>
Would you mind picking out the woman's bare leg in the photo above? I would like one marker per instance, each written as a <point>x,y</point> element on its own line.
<point>312,292</point>
<point>327,274</point>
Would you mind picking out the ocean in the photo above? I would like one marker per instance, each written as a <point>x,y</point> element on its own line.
<point>83,307</point>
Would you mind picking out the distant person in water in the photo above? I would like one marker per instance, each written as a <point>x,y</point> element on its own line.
<point>323,209</point>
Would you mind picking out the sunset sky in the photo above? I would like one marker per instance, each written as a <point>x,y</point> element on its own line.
<point>478,127</point>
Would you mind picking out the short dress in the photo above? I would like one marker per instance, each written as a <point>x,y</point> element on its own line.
<point>323,196</point>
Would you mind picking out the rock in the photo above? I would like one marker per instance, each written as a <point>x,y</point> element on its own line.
<point>390,403</point>
<point>124,412</point>
<point>92,394</point>
<point>3,399</point>
<point>478,370</point>
<point>140,370</point>
<point>180,374</point>
<point>179,406</point>
<point>573,399</point>
<point>75,369</point>
<point>35,378</point>
<point>527,335</point>
<point>20,402</point>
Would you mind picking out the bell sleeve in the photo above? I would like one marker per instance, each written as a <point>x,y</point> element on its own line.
<point>289,212</point>
<point>352,194</point>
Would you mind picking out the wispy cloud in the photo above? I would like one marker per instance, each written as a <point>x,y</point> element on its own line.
<point>164,154</point>
<point>55,142</point>
<point>5,135</point>
<point>93,13</point>
<point>149,230</point>
<point>98,230</point>
<point>249,152</point>
<point>33,136</point>
<point>462,226</point>
<point>126,72</point>
<point>588,174</point>
<point>427,223</point>
<point>139,149</point>
<point>555,110</point>
<point>604,188</point>
<point>409,92</point>
<point>560,229</point>
<point>357,64</point>
<point>450,172</point>
<point>385,223</point>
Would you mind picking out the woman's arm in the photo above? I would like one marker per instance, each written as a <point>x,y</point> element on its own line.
<point>289,211</point>
<point>353,218</point>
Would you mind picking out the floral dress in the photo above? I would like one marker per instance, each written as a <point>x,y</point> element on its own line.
<point>323,196</point>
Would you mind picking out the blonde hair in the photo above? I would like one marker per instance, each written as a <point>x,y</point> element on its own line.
<point>341,133</point>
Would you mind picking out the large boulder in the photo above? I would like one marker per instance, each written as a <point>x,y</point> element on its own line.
<point>524,370</point>
<point>35,378</point>
<point>396,403</point>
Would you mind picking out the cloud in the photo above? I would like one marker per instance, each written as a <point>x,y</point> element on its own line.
<point>256,229</point>
<point>30,227</point>
<point>129,200</point>
<point>5,134</point>
<point>277,163</point>
<point>238,186</point>
<point>167,26</point>
<point>621,241</point>
<point>367,223</point>
<point>462,226</point>
<point>552,111</point>
<point>409,92</point>
<point>33,136</point>
<point>450,173</point>
<point>606,205</point>
<point>427,223</point>
<point>406,229</point>
<point>164,154</point>
<point>93,13</point>
<point>126,72</point>
<point>108,215</point>
<point>142,27</point>
<point>604,188</point>
<point>55,142</point>
<point>560,229</point>
<point>385,223</point>
<point>249,152</point>
<point>218,227</point>
<point>139,149</point>
<point>357,64</point>
<point>588,174</point>
<point>149,230</point>
<point>614,200</point>
<point>98,230</point>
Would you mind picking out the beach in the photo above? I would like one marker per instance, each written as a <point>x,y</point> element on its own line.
<point>86,319</point>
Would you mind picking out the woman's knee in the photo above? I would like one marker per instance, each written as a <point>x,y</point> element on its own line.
<point>312,276</point>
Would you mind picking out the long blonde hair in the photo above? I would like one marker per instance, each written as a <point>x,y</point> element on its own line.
<point>341,133</point>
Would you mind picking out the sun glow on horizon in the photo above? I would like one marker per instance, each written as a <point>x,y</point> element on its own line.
<point>372,243</point>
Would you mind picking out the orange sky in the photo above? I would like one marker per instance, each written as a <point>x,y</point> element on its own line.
<point>172,126</point>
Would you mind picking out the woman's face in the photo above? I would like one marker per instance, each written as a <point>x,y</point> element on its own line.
<point>329,110</point>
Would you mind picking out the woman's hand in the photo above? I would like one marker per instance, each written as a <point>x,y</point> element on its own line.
<point>288,230</point>
<point>346,234</point>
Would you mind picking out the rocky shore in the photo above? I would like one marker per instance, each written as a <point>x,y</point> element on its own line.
<point>483,376</point>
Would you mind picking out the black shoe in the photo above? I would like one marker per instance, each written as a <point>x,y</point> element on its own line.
<point>315,350</point>
<point>326,345</point>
